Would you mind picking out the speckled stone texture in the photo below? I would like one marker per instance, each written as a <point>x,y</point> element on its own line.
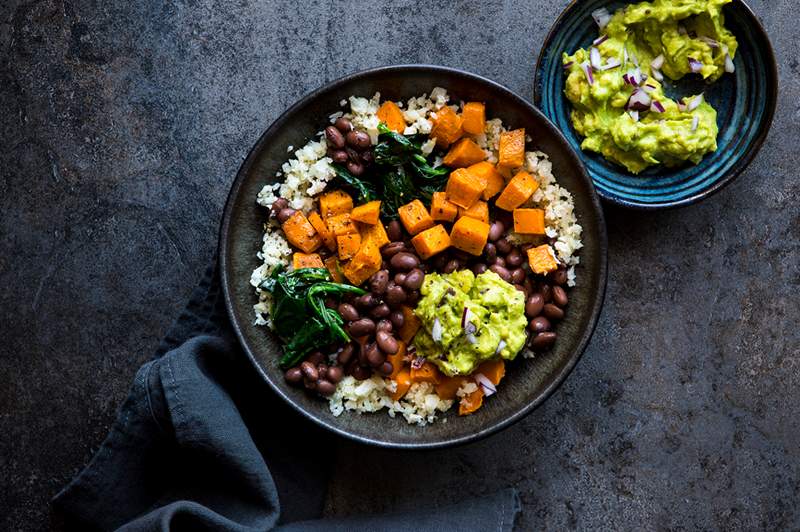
<point>122,126</point>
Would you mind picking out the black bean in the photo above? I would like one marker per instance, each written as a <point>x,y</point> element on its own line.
<point>521,289</point>
<point>501,271</point>
<point>543,341</point>
<point>343,124</point>
<point>367,157</point>
<point>414,279</point>
<point>395,295</point>
<point>361,373</point>
<point>338,156</point>
<point>514,258</point>
<point>460,255</point>
<point>496,230</point>
<point>404,261</point>
<point>559,276</point>
<point>451,266</point>
<point>357,139</point>
<point>546,290</point>
<point>553,312</point>
<point>560,296</point>
<point>381,311</point>
<point>386,368</point>
<point>316,358</point>
<point>361,327</point>
<point>517,276</point>
<point>293,375</point>
<point>278,205</point>
<point>374,355</point>
<point>439,262</point>
<point>500,261</point>
<point>334,137</point>
<point>309,371</point>
<point>540,324</point>
<point>383,325</point>
<point>397,318</point>
<point>400,278</point>
<point>378,282</point>
<point>392,249</point>
<point>413,297</point>
<point>366,301</point>
<point>503,246</point>
<point>309,384</point>
<point>331,303</point>
<point>534,304</point>
<point>490,252</point>
<point>386,342</point>
<point>285,214</point>
<point>325,387</point>
<point>323,371</point>
<point>348,312</point>
<point>394,231</point>
<point>355,168</point>
<point>479,267</point>
<point>335,374</point>
<point>346,354</point>
<point>528,285</point>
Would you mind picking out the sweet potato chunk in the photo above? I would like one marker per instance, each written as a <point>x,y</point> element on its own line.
<point>335,269</point>
<point>464,153</point>
<point>364,264</point>
<point>464,188</point>
<point>391,115</point>
<point>431,241</point>
<point>470,402</point>
<point>448,386</point>
<point>415,217</point>
<point>425,373</point>
<point>306,260</point>
<point>341,224</point>
<point>443,210</point>
<point>470,235</point>
<point>300,233</point>
<point>542,259</point>
<point>376,233</point>
<point>517,191</point>
<point>479,211</point>
<point>411,324</point>
<point>403,380</point>
<point>348,245</point>
<point>487,172</point>
<point>512,149</point>
<point>446,127</point>
<point>494,370</point>
<point>335,202</point>
<point>529,221</point>
<point>474,117</point>
<point>319,224</point>
<point>368,213</point>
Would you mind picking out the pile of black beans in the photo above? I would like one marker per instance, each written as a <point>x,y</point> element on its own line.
<point>349,146</point>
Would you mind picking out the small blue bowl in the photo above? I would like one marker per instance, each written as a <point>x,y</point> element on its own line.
<point>745,104</point>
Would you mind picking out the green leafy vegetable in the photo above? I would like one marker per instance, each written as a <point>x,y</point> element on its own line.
<point>364,189</point>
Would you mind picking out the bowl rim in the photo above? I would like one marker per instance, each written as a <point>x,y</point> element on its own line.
<point>595,303</point>
<point>739,166</point>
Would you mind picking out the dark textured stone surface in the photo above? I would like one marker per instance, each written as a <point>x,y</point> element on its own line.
<point>122,124</point>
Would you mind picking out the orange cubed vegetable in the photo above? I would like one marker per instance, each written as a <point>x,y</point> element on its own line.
<point>306,260</point>
<point>464,188</point>
<point>335,269</point>
<point>464,153</point>
<point>300,233</point>
<point>376,233</point>
<point>448,386</point>
<point>529,221</point>
<point>425,373</point>
<point>335,202</point>
<point>411,324</point>
<point>512,149</point>
<point>479,211</point>
<point>487,172</point>
<point>391,115</point>
<point>442,209</point>
<point>341,224</point>
<point>348,245</point>
<point>368,213</point>
<point>431,241</point>
<point>415,217</point>
<point>397,359</point>
<point>517,191</point>
<point>470,235</point>
<point>494,370</point>
<point>403,380</point>
<point>319,224</point>
<point>474,116</point>
<point>470,402</point>
<point>364,263</point>
<point>446,127</point>
<point>542,259</point>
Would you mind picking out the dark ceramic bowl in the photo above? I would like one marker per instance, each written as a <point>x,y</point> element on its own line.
<point>745,104</point>
<point>528,383</point>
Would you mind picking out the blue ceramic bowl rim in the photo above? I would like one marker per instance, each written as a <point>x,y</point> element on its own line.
<point>739,165</point>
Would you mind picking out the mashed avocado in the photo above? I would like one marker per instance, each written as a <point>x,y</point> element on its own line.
<point>496,314</point>
<point>644,42</point>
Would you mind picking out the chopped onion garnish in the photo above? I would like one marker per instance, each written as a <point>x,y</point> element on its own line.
<point>436,330</point>
<point>611,63</point>
<point>695,122</point>
<point>634,59</point>
<point>658,75</point>
<point>639,101</point>
<point>485,383</point>
<point>597,60</point>
<point>709,41</point>
<point>601,17</point>
<point>465,314</point>
<point>658,62</point>
<point>634,115</point>
<point>569,64</point>
<point>635,76</point>
<point>657,107</point>
<point>681,105</point>
<point>418,362</point>
<point>648,88</point>
<point>729,66</point>
<point>471,338</point>
<point>500,346</point>
<point>600,40</point>
<point>695,103</point>
<point>695,65</point>
<point>625,54</point>
<point>587,70</point>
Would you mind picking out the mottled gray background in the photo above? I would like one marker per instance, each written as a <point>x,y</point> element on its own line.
<point>123,124</point>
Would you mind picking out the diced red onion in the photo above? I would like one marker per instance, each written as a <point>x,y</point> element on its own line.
<point>709,41</point>
<point>418,362</point>
<point>587,70</point>
<point>436,330</point>
<point>695,103</point>
<point>634,59</point>
<point>658,62</point>
<point>657,107</point>
<point>681,105</point>
<point>596,58</point>
<point>625,54</point>
<point>569,64</point>
<point>729,66</point>
<point>471,338</point>
<point>658,75</point>
<point>695,122</point>
<point>464,316</point>
<point>601,17</point>
<point>635,76</point>
<point>634,115</point>
<point>485,383</point>
<point>648,88</point>
<point>611,63</point>
<point>600,40</point>
<point>500,346</point>
<point>639,101</point>
<point>695,65</point>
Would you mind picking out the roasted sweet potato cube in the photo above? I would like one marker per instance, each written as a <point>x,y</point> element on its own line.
<point>348,245</point>
<point>446,127</point>
<point>300,233</point>
<point>494,370</point>
<point>335,202</point>
<point>391,115</point>
<point>464,188</point>
<point>335,269</point>
<point>431,241</point>
<point>448,386</point>
<point>517,191</point>
<point>470,235</point>
<point>464,153</point>
<point>443,210</point>
<point>425,373</point>
<point>319,224</point>
<point>368,213</point>
<point>341,224</point>
<point>479,211</point>
<point>470,402</point>
<point>415,217</point>
<point>411,324</point>
<point>529,221</point>
<point>512,149</point>
<point>474,118</point>
<point>487,172</point>
<point>403,380</point>
<point>542,259</point>
<point>364,264</point>
<point>306,260</point>
<point>397,359</point>
<point>376,233</point>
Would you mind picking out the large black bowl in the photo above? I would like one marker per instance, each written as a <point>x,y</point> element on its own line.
<point>528,382</point>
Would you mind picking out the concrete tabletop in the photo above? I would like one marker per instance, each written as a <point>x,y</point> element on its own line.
<point>122,126</point>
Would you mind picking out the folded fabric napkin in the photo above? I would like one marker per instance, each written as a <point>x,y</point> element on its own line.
<point>201,443</point>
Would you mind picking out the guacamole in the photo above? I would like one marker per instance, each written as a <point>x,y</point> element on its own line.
<point>619,105</point>
<point>493,326</point>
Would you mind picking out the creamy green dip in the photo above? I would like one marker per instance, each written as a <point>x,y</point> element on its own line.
<point>679,37</point>
<point>495,324</point>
